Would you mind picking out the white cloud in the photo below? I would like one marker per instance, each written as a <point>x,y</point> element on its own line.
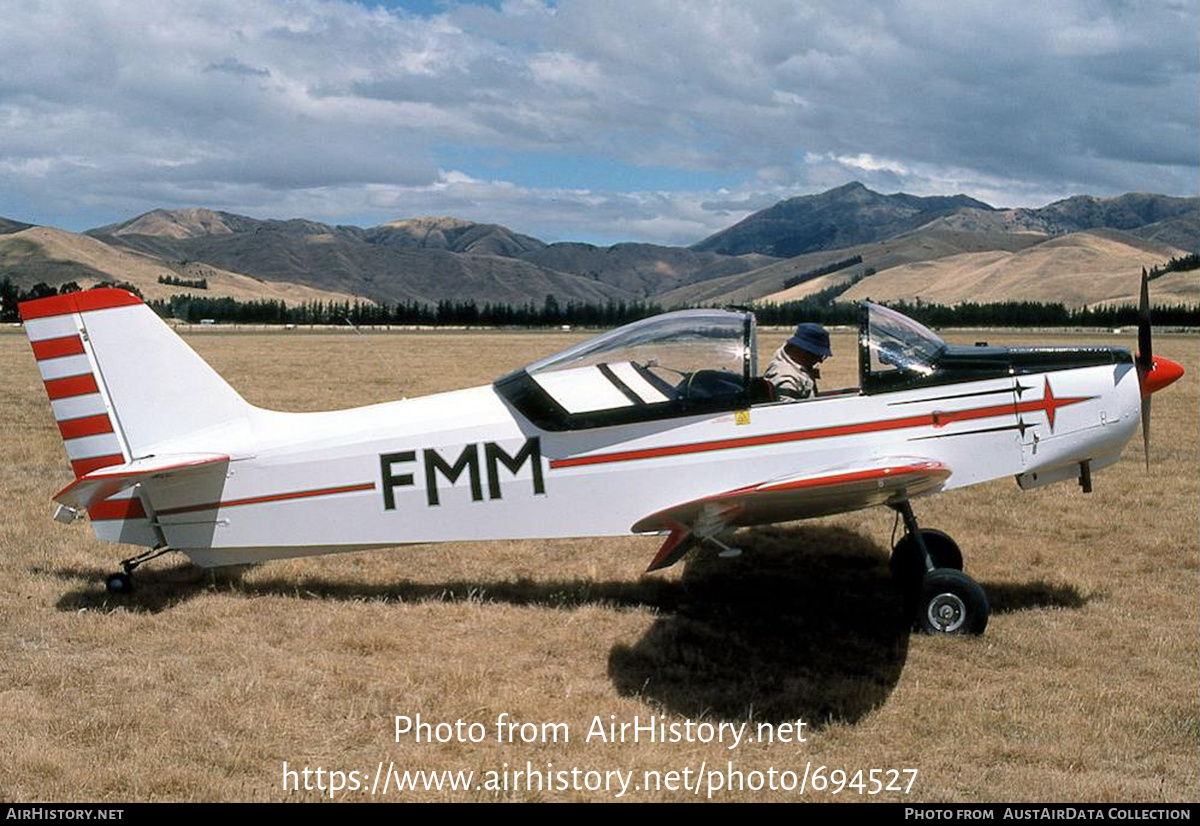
<point>312,107</point>
<point>864,162</point>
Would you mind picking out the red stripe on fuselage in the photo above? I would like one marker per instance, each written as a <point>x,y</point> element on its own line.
<point>274,497</point>
<point>746,441</point>
<point>52,348</point>
<point>1049,404</point>
<point>117,509</point>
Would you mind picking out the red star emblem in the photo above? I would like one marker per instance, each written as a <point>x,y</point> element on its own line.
<point>1049,404</point>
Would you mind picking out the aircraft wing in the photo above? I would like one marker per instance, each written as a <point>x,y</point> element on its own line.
<point>100,484</point>
<point>800,496</point>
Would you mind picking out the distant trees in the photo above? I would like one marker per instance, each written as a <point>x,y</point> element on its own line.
<point>970,314</point>
<point>121,285</point>
<point>446,312</point>
<point>820,307</point>
<point>11,295</point>
<point>819,271</point>
<point>188,283</point>
<point>1181,264</point>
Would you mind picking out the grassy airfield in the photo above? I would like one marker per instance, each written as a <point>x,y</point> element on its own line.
<point>199,687</point>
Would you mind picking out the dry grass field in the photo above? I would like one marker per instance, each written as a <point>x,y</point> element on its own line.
<point>199,687</point>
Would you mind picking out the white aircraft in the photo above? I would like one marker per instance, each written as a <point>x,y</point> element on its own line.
<point>661,426</point>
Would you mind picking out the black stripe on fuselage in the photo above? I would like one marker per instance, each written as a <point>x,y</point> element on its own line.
<point>1019,426</point>
<point>954,396</point>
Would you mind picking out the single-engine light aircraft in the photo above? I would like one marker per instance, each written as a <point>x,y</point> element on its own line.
<point>661,426</point>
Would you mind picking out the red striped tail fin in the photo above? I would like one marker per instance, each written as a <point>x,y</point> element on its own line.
<point>123,386</point>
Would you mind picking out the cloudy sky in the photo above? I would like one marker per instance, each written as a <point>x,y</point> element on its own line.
<point>647,120</point>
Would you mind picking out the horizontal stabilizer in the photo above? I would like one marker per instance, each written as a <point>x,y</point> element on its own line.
<point>102,483</point>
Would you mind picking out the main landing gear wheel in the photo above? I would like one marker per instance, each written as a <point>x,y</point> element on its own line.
<point>927,567</point>
<point>908,563</point>
<point>951,603</point>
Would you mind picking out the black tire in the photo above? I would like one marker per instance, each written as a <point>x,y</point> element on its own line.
<point>119,584</point>
<point>951,603</point>
<point>908,565</point>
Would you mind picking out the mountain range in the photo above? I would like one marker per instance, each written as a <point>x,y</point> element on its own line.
<point>852,214</point>
<point>1082,250</point>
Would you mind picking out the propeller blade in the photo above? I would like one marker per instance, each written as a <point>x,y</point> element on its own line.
<point>1145,356</point>
<point>1153,373</point>
<point>1146,429</point>
<point>1145,360</point>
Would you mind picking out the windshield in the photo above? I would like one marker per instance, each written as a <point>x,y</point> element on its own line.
<point>897,343</point>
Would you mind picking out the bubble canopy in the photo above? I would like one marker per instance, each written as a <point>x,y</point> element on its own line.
<point>672,364</point>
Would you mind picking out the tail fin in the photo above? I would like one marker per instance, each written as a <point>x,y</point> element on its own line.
<point>122,386</point>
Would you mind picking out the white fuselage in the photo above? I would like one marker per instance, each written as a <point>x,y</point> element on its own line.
<point>465,465</point>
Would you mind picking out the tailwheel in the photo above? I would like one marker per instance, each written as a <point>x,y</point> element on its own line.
<point>121,583</point>
<point>951,603</point>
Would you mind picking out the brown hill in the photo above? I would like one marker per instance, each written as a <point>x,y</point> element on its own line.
<point>453,235</point>
<point>1170,220</point>
<point>1172,289</point>
<point>430,259</point>
<point>425,260</point>
<point>643,269</point>
<point>1183,233</point>
<point>55,257</point>
<point>849,215</point>
<point>1083,268</point>
<point>768,282</point>
<point>853,215</point>
<point>8,225</point>
<point>177,223</point>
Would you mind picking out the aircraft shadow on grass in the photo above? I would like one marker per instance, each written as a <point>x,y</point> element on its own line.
<point>806,623</point>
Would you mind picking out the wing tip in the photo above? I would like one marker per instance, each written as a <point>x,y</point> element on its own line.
<point>678,543</point>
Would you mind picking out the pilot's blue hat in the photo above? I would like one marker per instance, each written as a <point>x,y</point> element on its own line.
<point>813,338</point>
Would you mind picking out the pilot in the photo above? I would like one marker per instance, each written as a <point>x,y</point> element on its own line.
<point>793,370</point>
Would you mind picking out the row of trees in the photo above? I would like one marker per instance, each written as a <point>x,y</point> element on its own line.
<point>819,271</point>
<point>1191,261</point>
<point>820,307</point>
<point>11,295</point>
<point>446,312</point>
<point>187,283</point>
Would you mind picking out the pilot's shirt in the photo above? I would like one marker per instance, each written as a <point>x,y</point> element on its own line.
<point>792,382</point>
